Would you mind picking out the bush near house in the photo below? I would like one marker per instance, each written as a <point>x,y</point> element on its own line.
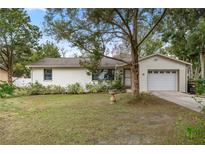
<point>6,89</point>
<point>104,86</point>
<point>36,89</point>
<point>200,86</point>
<point>116,85</point>
<point>97,87</point>
<point>75,89</point>
<point>196,86</point>
<point>39,89</point>
<point>53,89</point>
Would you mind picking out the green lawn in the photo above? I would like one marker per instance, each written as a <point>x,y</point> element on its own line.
<point>90,119</point>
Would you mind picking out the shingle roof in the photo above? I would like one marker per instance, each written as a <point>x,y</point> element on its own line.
<point>167,57</point>
<point>74,62</point>
<point>71,62</point>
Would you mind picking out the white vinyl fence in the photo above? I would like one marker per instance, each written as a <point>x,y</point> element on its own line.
<point>21,82</point>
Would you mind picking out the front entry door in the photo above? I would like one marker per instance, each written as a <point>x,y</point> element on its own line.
<point>127,78</point>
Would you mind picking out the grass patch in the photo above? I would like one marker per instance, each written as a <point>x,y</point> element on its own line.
<point>90,119</point>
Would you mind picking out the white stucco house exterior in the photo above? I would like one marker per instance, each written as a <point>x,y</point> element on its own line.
<point>157,72</point>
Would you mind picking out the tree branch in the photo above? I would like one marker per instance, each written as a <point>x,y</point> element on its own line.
<point>3,68</point>
<point>76,44</point>
<point>155,25</point>
<point>116,59</point>
<point>123,20</point>
<point>119,26</point>
<point>2,57</point>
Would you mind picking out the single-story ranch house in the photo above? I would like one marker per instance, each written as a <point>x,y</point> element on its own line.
<point>3,75</point>
<point>157,72</point>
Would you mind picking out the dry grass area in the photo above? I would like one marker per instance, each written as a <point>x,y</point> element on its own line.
<point>90,119</point>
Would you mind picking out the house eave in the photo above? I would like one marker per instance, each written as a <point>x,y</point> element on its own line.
<point>167,57</point>
<point>50,66</point>
<point>110,66</point>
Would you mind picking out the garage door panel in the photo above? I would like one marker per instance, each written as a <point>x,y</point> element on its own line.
<point>162,80</point>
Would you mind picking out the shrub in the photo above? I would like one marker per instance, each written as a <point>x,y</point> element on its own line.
<point>116,85</point>
<point>36,89</point>
<point>104,86</point>
<point>75,89</point>
<point>6,89</point>
<point>90,87</point>
<point>39,89</point>
<point>23,91</point>
<point>200,86</point>
<point>97,87</point>
<point>53,89</point>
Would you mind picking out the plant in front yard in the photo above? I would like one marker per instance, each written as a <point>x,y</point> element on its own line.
<point>191,133</point>
<point>39,89</point>
<point>116,85</point>
<point>104,86</point>
<point>200,86</point>
<point>6,89</point>
<point>53,89</point>
<point>36,89</point>
<point>20,91</point>
<point>75,89</point>
<point>96,87</point>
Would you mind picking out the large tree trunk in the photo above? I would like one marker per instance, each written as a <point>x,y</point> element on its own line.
<point>10,67</point>
<point>202,63</point>
<point>135,76</point>
<point>10,76</point>
<point>135,55</point>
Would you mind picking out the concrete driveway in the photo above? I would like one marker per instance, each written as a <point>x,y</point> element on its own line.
<point>183,99</point>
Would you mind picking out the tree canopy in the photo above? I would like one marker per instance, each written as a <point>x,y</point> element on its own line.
<point>46,50</point>
<point>181,32</point>
<point>17,37</point>
<point>95,31</point>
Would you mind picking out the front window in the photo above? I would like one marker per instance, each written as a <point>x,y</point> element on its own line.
<point>104,74</point>
<point>47,74</point>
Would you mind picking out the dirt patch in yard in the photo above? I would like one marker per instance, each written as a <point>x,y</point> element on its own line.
<point>155,119</point>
